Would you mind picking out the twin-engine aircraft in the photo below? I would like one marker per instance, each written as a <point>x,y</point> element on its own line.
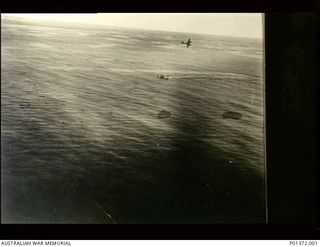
<point>188,43</point>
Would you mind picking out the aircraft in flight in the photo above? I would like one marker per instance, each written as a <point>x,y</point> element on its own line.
<point>188,43</point>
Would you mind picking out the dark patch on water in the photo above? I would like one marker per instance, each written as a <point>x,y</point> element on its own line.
<point>24,105</point>
<point>164,114</point>
<point>232,115</point>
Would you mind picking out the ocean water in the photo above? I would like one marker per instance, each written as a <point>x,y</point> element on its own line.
<point>82,140</point>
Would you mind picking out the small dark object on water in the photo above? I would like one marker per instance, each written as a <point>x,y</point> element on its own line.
<point>232,115</point>
<point>164,114</point>
<point>24,105</point>
<point>166,77</point>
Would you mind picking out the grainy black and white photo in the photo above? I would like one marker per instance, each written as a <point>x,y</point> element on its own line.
<point>121,118</point>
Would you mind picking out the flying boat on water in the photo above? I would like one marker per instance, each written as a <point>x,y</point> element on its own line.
<point>164,77</point>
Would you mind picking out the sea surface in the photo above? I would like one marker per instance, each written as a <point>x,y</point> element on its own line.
<point>82,140</point>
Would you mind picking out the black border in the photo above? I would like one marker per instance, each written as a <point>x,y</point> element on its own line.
<point>93,6</point>
<point>282,36</point>
<point>156,232</point>
<point>291,117</point>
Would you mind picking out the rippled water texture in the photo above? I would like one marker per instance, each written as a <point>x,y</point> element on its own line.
<point>89,134</point>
